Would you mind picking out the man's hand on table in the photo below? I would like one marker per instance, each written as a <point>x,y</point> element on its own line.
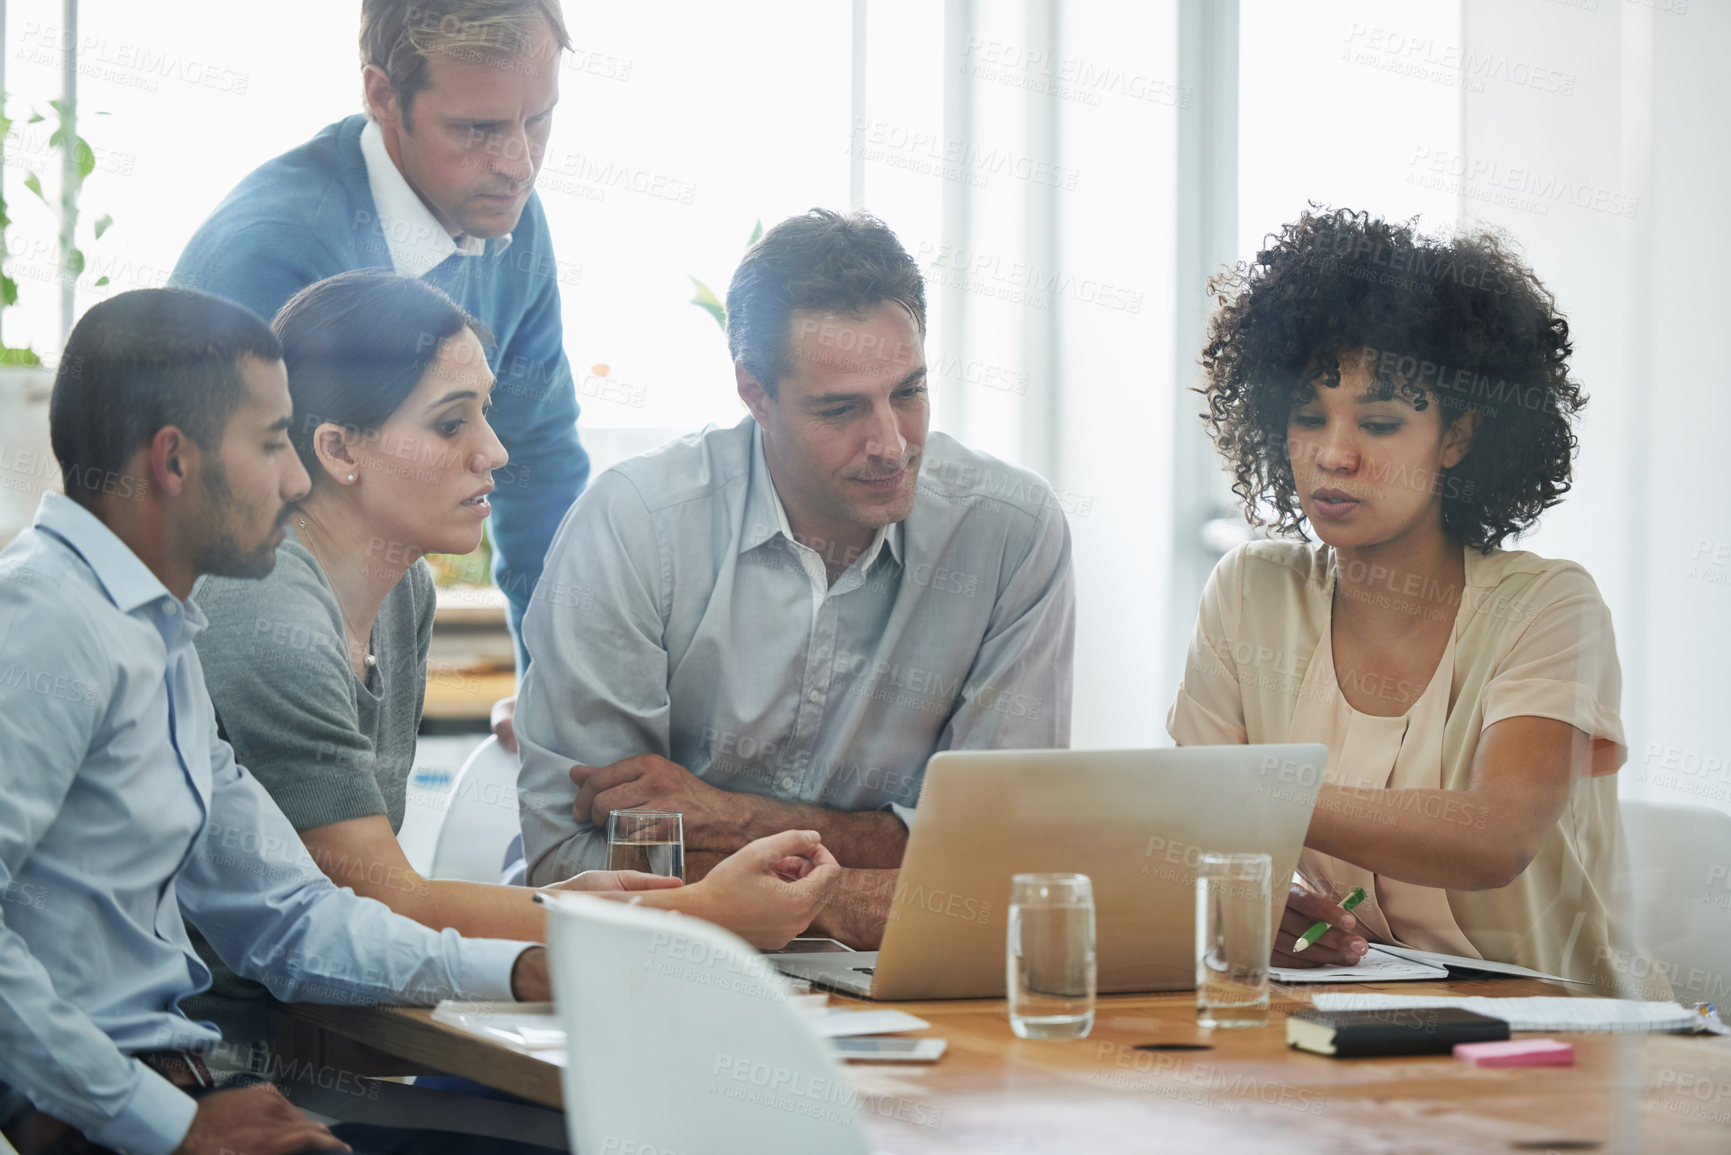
<point>713,818</point>
<point>1338,946</point>
<point>256,1120</point>
<point>858,910</point>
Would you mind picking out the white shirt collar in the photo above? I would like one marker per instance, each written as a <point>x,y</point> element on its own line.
<point>887,535</point>
<point>417,241</point>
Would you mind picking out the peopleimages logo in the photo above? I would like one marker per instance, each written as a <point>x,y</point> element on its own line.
<point>1020,282</point>
<point>944,902</point>
<point>1121,1066</point>
<point>61,687</point>
<point>126,63</point>
<point>962,160</point>
<point>1067,77</point>
<point>810,1096</point>
<point>1526,188</point>
<point>1423,57</point>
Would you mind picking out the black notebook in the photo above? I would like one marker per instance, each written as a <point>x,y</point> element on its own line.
<point>1403,1031</point>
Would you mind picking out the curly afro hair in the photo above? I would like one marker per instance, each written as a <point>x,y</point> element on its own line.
<point>1457,320</point>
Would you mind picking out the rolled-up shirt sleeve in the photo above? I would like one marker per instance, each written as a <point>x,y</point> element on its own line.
<point>596,691</point>
<point>254,892</point>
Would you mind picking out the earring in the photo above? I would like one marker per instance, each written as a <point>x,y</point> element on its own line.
<point>351,477</point>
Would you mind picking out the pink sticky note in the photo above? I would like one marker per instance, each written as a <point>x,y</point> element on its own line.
<point>1517,1053</point>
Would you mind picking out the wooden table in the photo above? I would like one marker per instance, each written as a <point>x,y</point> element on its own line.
<point>1248,1092</point>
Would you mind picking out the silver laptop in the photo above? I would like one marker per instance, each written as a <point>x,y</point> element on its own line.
<point>1134,821</point>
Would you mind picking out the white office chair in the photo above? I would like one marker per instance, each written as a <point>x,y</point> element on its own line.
<point>1678,860</point>
<point>680,1038</point>
<point>480,819</point>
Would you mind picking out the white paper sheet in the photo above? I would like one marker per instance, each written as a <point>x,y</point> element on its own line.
<point>1478,964</point>
<point>838,1024</point>
<point>1377,966</point>
<point>520,1026</point>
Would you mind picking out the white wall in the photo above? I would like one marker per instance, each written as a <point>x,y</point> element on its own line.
<point>1681,534</point>
<point>1333,107</point>
<point>1617,193</point>
<point>1618,186</point>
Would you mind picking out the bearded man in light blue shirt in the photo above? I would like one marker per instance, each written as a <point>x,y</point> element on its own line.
<point>124,810</point>
<point>775,625</point>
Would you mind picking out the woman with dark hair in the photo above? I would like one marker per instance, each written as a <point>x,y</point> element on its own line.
<point>318,671</point>
<point>1407,400</point>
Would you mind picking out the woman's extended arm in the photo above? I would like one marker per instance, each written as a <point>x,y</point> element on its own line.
<point>364,855</point>
<point>767,892</point>
<point>1479,838</point>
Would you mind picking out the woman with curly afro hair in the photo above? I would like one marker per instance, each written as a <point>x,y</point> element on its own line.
<point>1398,406</point>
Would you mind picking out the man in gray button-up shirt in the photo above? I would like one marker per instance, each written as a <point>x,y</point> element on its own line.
<point>774,626</point>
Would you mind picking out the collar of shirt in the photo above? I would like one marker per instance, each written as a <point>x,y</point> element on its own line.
<point>765,515</point>
<point>417,241</point>
<point>124,577</point>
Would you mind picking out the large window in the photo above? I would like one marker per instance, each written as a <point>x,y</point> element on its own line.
<point>1031,153</point>
<point>177,108</point>
<point>666,151</point>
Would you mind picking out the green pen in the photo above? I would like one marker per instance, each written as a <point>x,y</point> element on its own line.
<point>1309,937</point>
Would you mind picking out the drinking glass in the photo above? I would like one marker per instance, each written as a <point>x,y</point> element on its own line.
<point>1049,959</point>
<point>1232,939</point>
<point>652,841</point>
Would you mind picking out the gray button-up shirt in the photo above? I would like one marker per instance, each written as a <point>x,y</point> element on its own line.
<point>677,616</point>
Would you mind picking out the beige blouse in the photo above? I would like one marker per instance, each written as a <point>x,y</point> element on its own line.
<point>1532,638</point>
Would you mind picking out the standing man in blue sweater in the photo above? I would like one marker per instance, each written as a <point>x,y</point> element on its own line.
<point>436,181</point>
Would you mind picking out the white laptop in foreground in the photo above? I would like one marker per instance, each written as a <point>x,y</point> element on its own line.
<point>1134,821</point>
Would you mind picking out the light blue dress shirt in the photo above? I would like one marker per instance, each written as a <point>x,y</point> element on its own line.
<point>678,616</point>
<point>123,811</point>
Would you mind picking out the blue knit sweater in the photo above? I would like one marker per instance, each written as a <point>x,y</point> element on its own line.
<point>308,214</point>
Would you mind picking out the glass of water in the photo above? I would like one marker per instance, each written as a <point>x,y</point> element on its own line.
<point>1049,956</point>
<point>652,841</point>
<point>1233,931</point>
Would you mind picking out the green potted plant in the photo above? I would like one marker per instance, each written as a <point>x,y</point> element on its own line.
<point>704,297</point>
<point>27,466</point>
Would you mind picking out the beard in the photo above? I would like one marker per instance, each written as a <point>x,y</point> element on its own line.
<point>223,554</point>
